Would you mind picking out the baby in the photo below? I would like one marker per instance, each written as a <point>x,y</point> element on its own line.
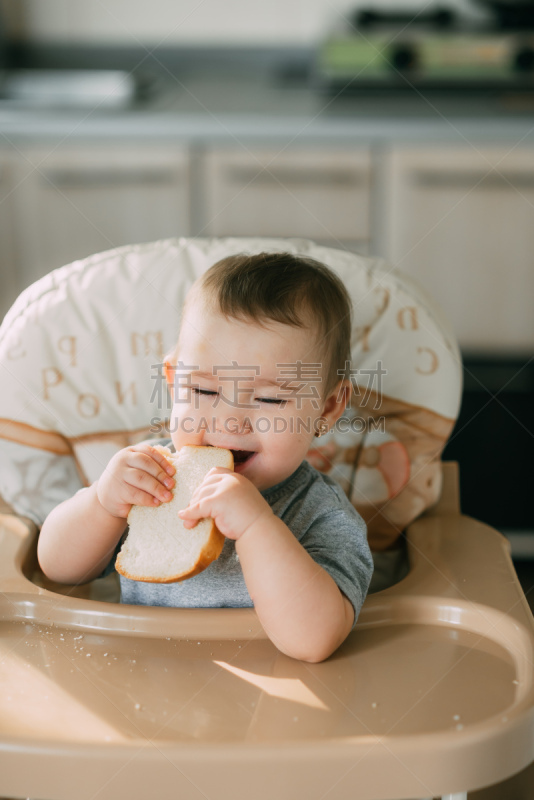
<point>258,369</point>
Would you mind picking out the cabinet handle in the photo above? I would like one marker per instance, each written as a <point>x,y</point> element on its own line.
<point>106,179</point>
<point>472,180</point>
<point>295,177</point>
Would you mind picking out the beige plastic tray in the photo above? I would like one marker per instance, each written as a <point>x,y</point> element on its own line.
<point>431,694</point>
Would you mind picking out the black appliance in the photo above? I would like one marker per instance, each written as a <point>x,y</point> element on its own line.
<point>438,50</point>
<point>493,441</point>
<point>516,15</point>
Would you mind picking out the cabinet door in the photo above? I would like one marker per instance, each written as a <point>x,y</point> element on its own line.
<point>8,267</point>
<point>461,221</point>
<point>317,194</point>
<point>80,201</point>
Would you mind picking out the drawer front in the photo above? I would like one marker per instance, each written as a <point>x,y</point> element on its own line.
<point>461,222</point>
<point>79,201</point>
<point>312,194</point>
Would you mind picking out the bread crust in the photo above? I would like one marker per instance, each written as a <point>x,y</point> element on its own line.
<point>210,551</point>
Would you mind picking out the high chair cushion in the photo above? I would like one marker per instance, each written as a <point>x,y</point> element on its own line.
<point>81,356</point>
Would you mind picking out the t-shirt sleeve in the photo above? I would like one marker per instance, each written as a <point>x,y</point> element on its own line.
<point>337,541</point>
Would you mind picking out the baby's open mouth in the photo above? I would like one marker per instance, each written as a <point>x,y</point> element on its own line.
<point>242,456</point>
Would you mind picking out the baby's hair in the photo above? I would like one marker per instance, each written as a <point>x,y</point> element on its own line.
<point>293,290</point>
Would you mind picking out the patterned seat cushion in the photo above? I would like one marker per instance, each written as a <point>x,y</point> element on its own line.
<point>81,355</point>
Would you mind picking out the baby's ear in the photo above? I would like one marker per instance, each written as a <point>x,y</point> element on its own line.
<point>337,401</point>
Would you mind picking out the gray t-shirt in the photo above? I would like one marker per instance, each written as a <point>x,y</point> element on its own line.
<point>317,512</point>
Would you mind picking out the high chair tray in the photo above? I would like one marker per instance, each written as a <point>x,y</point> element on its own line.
<point>432,693</point>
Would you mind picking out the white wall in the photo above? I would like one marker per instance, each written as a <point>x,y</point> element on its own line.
<point>160,22</point>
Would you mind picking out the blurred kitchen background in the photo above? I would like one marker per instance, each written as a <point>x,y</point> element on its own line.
<point>397,128</point>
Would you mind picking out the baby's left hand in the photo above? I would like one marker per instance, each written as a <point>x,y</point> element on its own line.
<point>228,498</point>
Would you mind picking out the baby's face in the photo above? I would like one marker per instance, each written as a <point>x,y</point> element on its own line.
<point>253,390</point>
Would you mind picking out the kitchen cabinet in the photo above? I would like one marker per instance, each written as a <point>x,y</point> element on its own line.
<point>461,221</point>
<point>9,285</point>
<point>316,193</point>
<point>72,202</point>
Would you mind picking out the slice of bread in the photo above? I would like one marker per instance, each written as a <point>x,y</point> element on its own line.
<point>158,549</point>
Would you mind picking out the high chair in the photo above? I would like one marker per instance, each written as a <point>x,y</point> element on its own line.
<point>432,693</point>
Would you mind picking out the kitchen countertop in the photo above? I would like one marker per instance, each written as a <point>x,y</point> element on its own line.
<point>201,103</point>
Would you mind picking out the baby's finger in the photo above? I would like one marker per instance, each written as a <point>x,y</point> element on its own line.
<point>143,462</point>
<point>140,481</point>
<point>211,482</point>
<point>156,456</point>
<point>169,468</point>
<point>190,515</point>
<point>206,489</point>
<point>139,498</point>
<point>219,471</point>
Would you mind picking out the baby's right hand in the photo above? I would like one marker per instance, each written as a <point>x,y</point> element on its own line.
<point>138,475</point>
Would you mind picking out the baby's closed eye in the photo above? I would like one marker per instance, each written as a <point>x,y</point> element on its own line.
<point>280,401</point>
<point>272,400</point>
